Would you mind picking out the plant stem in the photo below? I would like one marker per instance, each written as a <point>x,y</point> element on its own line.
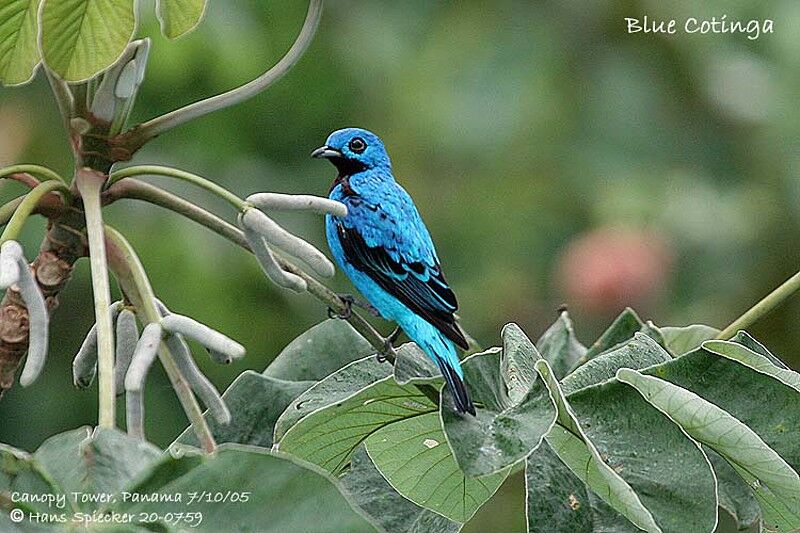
<point>37,170</point>
<point>90,184</point>
<point>63,96</point>
<point>136,286</point>
<point>27,205</point>
<point>8,209</point>
<point>156,126</point>
<point>200,181</point>
<point>767,304</point>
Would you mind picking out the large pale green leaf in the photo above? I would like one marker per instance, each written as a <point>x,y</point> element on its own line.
<point>557,500</point>
<point>620,331</point>
<point>282,495</point>
<point>80,38</point>
<point>414,457</point>
<point>19,52</point>
<point>757,361</point>
<point>255,402</point>
<point>318,352</point>
<point>368,490</point>
<point>668,471</point>
<point>92,462</point>
<point>178,17</point>
<point>735,495</point>
<point>20,474</point>
<point>640,352</point>
<point>576,451</point>
<point>414,366</point>
<point>775,484</point>
<point>514,410</point>
<point>681,340</point>
<point>326,424</point>
<point>560,347</point>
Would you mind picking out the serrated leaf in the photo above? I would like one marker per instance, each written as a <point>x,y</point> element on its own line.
<point>283,494</point>
<point>681,340</point>
<point>514,410</point>
<point>80,38</point>
<point>775,484</point>
<point>19,52</point>
<point>560,347</point>
<point>255,402</point>
<point>92,462</point>
<point>326,424</point>
<point>414,457</point>
<point>578,453</point>
<point>640,352</point>
<point>368,490</point>
<point>178,17</point>
<point>557,500</point>
<point>319,352</point>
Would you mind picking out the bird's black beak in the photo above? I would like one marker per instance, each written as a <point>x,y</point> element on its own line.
<point>327,152</point>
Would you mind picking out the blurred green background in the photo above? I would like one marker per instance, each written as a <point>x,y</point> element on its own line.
<point>555,158</point>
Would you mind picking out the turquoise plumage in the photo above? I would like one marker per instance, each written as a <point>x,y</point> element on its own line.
<point>385,249</point>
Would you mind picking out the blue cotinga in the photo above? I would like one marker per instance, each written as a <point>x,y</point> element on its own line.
<point>385,249</point>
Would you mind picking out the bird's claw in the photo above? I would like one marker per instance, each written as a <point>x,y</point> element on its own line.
<point>350,301</point>
<point>343,315</point>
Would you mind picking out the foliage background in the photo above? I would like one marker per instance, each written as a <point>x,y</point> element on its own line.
<point>555,158</point>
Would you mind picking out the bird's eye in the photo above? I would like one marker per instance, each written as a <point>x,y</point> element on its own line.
<point>357,145</point>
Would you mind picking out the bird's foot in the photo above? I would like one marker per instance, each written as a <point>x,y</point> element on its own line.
<point>350,301</point>
<point>389,344</point>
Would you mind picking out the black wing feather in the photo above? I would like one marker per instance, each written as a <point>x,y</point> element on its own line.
<point>432,299</point>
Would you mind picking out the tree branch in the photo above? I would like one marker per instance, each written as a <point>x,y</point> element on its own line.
<point>138,136</point>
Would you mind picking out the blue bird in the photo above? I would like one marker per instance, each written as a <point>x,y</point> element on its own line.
<point>385,249</point>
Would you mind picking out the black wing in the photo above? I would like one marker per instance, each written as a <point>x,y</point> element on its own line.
<point>420,287</point>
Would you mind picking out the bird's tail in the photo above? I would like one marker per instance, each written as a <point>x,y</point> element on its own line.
<point>443,352</point>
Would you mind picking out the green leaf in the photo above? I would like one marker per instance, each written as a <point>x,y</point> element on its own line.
<point>92,462</point>
<point>319,352</point>
<point>326,424</point>
<point>681,340</point>
<point>557,500</point>
<point>776,485</point>
<point>81,38</point>
<point>735,495</point>
<point>178,17</point>
<point>19,473</point>
<point>515,409</point>
<point>414,366</point>
<point>281,494</point>
<point>560,347</point>
<point>368,490</point>
<point>744,338</point>
<point>640,352</point>
<point>620,331</point>
<point>756,361</point>
<point>414,457</point>
<point>19,52</point>
<point>578,453</point>
<point>255,402</point>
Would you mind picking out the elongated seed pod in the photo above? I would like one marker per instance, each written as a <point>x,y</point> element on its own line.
<point>84,366</point>
<point>297,202</point>
<point>10,253</point>
<point>39,323</point>
<point>211,339</point>
<point>134,413</point>
<point>268,264</point>
<point>143,357</point>
<point>200,384</point>
<point>277,236</point>
<point>127,335</point>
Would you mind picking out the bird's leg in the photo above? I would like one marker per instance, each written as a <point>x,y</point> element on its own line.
<point>390,340</point>
<point>351,301</point>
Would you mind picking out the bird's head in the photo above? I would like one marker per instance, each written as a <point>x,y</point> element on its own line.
<point>353,150</point>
